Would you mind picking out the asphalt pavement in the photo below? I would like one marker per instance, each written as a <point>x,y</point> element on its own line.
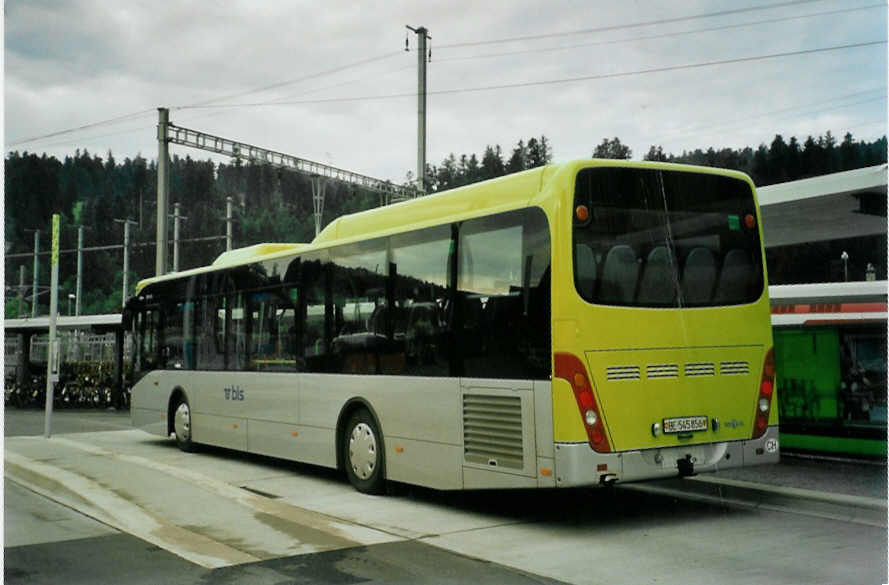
<point>103,502</point>
<point>24,422</point>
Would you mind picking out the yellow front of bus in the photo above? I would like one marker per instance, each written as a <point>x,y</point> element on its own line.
<point>663,356</point>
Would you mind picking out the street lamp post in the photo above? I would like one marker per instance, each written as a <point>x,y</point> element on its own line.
<point>71,297</point>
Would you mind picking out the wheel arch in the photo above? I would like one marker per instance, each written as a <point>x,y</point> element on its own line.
<point>176,396</point>
<point>349,408</point>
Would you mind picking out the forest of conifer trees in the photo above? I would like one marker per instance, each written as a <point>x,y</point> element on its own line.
<point>276,205</point>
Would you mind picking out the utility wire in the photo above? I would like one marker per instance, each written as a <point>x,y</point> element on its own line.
<point>704,128</point>
<point>125,117</point>
<point>295,80</point>
<point>625,26</point>
<point>658,36</point>
<point>214,114</point>
<point>558,81</point>
<point>115,120</point>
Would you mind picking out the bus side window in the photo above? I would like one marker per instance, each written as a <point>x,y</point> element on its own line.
<point>271,326</point>
<point>146,328</point>
<point>503,290</point>
<point>360,273</point>
<point>210,332</point>
<point>236,339</point>
<point>420,272</point>
<point>313,286</point>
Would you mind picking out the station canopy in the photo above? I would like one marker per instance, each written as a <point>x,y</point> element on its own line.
<point>850,204</point>
<point>97,323</point>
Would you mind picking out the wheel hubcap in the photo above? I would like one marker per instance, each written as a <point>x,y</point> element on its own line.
<point>363,451</point>
<point>182,422</point>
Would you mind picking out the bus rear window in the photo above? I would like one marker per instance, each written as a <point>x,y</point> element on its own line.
<point>656,238</point>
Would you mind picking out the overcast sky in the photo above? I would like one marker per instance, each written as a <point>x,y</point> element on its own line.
<point>70,63</point>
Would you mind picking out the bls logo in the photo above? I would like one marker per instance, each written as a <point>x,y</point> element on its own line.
<point>234,393</point>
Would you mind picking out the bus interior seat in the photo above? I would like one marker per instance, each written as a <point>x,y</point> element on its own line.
<point>585,270</point>
<point>735,277</point>
<point>698,276</point>
<point>656,286</point>
<point>620,273</point>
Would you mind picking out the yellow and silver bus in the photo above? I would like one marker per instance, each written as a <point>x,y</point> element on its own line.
<point>572,325</point>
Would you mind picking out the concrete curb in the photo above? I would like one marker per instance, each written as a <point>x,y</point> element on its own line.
<point>830,497</point>
<point>749,495</point>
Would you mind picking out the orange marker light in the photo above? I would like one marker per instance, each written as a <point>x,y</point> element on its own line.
<point>582,212</point>
<point>399,449</point>
<point>545,471</point>
<point>294,433</point>
<point>750,221</point>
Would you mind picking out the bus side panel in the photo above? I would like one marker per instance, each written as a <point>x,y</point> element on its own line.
<point>148,407</point>
<point>222,402</point>
<point>276,439</point>
<point>418,419</point>
<point>543,419</point>
<point>222,431</point>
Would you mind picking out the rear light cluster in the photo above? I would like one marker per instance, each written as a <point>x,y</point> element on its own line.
<point>571,369</point>
<point>766,391</point>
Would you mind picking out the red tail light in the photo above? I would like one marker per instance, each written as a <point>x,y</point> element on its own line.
<point>571,369</point>
<point>766,390</point>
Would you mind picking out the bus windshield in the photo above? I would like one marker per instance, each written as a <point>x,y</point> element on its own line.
<point>658,238</point>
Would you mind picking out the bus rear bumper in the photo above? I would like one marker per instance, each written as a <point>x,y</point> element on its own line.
<point>578,465</point>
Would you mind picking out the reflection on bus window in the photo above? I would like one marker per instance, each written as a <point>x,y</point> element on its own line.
<point>503,293</point>
<point>360,274</point>
<point>420,262</point>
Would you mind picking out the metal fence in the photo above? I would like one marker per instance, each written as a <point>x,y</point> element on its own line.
<point>73,346</point>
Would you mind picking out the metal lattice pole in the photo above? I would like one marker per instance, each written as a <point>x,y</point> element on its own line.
<point>318,189</point>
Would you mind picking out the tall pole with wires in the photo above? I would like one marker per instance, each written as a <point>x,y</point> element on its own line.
<point>79,291</point>
<point>422,37</point>
<point>126,258</point>
<point>35,274</point>
<point>163,189</point>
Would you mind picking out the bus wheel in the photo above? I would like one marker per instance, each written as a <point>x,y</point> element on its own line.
<point>363,453</point>
<point>182,425</point>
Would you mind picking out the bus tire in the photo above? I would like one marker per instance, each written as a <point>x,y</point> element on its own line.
<point>182,425</point>
<point>363,453</point>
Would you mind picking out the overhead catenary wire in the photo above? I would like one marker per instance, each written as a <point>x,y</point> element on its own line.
<point>614,27</point>
<point>563,80</point>
<point>211,101</point>
<point>111,247</point>
<point>143,112</point>
<point>285,83</point>
<point>657,36</point>
<point>207,115</point>
<point>115,120</point>
<point>852,125</point>
<point>706,128</point>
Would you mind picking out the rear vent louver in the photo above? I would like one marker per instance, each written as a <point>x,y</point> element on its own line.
<point>734,368</point>
<point>615,373</point>
<point>700,369</point>
<point>492,430</point>
<point>662,371</point>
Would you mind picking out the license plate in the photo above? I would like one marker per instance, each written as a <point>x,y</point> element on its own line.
<point>685,424</point>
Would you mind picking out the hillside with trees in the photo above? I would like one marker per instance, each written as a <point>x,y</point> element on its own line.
<point>276,205</point>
